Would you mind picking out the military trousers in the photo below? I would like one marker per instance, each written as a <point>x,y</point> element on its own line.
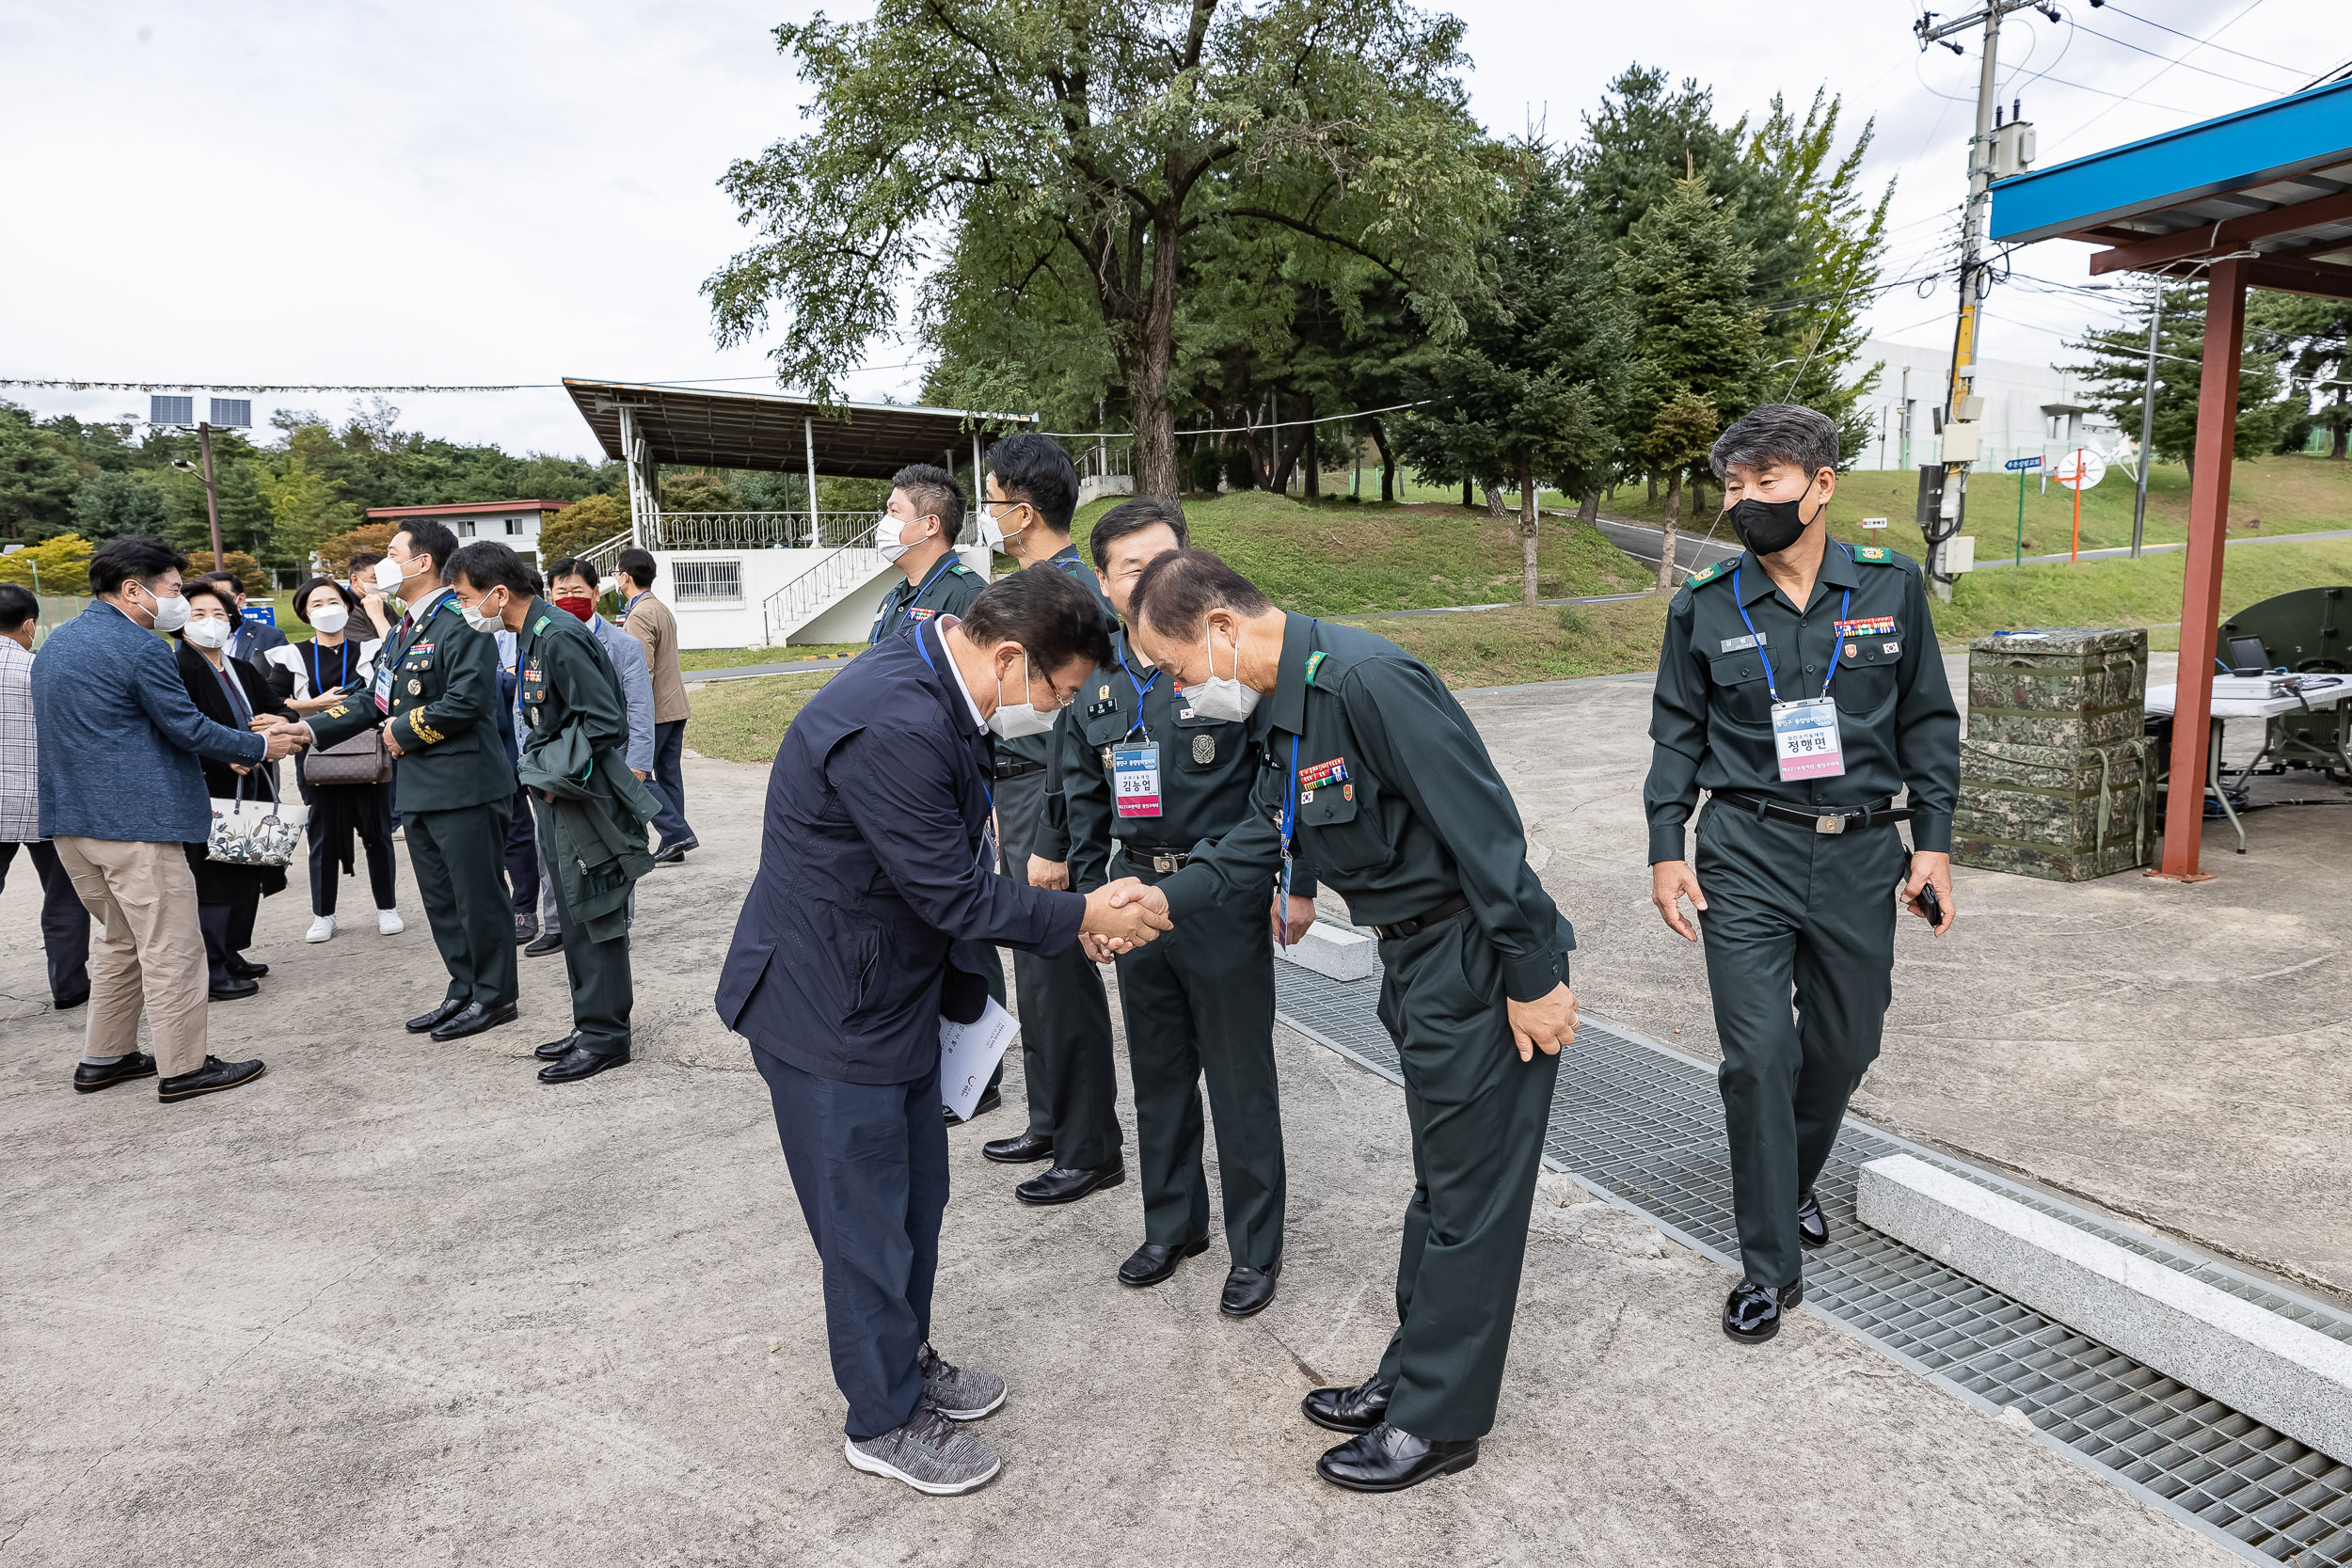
<point>1199,1004</point>
<point>459,860</point>
<point>1478,1116</point>
<point>1065,1016</point>
<point>602,989</point>
<point>1792,913</point>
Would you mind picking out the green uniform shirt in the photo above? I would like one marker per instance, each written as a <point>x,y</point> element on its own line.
<point>1392,796</point>
<point>947,589</point>
<point>1053,834</point>
<point>567,679</point>
<point>1207,768</point>
<point>1711,720</point>
<point>436,692</point>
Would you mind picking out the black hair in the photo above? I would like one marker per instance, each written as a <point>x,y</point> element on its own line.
<point>227,580</point>
<point>17,606</point>
<point>1777,433</point>
<point>214,589</point>
<point>302,597</point>
<point>538,583</point>
<point>360,559</point>
<point>935,493</point>
<point>639,566</point>
<point>1034,468</point>
<point>1047,612</point>
<point>427,537</point>
<point>132,557</point>
<point>485,564</point>
<point>1134,516</point>
<point>574,566</point>
<point>1176,589</point>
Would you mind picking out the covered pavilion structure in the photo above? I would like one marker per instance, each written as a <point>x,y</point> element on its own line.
<point>2259,199</point>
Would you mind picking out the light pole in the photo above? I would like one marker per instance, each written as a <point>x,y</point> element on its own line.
<point>212,496</point>
<point>2147,422</point>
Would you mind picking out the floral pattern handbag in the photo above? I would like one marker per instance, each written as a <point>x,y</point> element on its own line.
<point>256,833</point>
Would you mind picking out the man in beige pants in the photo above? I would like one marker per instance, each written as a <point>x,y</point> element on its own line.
<point>122,798</point>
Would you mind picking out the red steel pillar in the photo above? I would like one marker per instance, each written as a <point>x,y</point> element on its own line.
<point>2201,594</point>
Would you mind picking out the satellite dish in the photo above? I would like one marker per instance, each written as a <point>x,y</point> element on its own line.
<point>2080,470</point>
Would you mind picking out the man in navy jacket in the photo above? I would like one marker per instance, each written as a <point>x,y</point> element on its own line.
<point>877,858</point>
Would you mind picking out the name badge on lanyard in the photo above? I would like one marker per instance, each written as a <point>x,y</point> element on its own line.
<point>383,682</point>
<point>1136,779</point>
<point>1806,735</point>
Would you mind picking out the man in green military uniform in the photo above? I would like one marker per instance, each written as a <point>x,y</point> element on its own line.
<point>1371,771</point>
<point>589,807</point>
<point>1147,776</point>
<point>1800,686</point>
<point>436,693</point>
<point>1065,1016</point>
<point>918,535</point>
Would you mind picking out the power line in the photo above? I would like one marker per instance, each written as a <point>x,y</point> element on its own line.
<point>80,384</point>
<point>2150,21</point>
<point>2240,81</point>
<point>2133,94</point>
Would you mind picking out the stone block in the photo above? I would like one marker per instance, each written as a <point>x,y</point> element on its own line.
<point>1334,952</point>
<point>2291,1378</point>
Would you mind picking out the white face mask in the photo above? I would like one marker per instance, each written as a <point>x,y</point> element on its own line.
<point>171,614</point>
<point>389,576</point>
<point>207,633</point>
<point>1221,697</point>
<point>993,532</point>
<point>1011,720</point>
<point>330,618</point>
<point>482,618</point>
<point>887,538</point>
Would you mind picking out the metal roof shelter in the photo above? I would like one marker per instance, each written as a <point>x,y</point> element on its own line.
<point>2261,197</point>
<point>643,426</point>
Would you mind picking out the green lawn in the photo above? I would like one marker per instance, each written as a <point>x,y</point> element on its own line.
<point>744,721</point>
<point>732,658</point>
<point>2142,592</point>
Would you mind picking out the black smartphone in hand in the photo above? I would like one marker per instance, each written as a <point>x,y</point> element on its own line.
<point>1932,905</point>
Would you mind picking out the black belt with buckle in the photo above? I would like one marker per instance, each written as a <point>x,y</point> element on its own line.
<point>1018,767</point>
<point>1161,861</point>
<point>1422,922</point>
<point>1878,816</point>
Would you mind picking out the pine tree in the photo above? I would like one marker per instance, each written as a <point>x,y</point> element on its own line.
<point>2119,367</point>
<point>2313,336</point>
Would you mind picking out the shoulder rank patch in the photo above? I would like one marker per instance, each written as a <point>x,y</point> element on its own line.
<point>1879,553</point>
<point>540,625</point>
<point>1709,574</point>
<point>1314,662</point>
<point>961,570</point>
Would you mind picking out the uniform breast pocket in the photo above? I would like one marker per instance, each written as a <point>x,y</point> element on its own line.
<point>1106,729</point>
<point>1866,675</point>
<point>1206,745</point>
<point>1739,686</point>
<point>1339,828</point>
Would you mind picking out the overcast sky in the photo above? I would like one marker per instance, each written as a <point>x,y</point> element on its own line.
<point>508,191</point>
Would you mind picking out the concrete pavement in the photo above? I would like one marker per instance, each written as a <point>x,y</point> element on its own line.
<point>398,1303</point>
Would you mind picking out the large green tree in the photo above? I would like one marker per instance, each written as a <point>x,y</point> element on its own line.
<point>1079,147</point>
<point>2118,368</point>
<point>2314,339</point>
<point>37,483</point>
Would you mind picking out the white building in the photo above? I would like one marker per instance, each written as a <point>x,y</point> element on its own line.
<point>514,524</point>
<point>2027,407</point>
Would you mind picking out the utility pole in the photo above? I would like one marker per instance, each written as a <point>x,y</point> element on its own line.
<point>1962,437</point>
<point>212,496</point>
<point>2147,420</point>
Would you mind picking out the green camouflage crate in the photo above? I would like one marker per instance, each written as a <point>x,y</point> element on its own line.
<point>2067,813</point>
<point>2067,687</point>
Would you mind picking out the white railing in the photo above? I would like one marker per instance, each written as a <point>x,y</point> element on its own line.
<point>819,588</point>
<point>755,531</point>
<point>606,557</point>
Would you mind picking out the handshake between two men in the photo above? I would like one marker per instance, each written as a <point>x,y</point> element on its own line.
<point>1120,917</point>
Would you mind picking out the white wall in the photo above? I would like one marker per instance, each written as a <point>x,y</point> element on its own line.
<point>741,623</point>
<point>2014,392</point>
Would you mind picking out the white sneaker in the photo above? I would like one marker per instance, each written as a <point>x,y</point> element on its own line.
<point>321,929</point>
<point>387,923</point>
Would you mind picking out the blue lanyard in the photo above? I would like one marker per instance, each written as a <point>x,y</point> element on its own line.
<point>1141,686</point>
<point>1290,822</point>
<point>1844,605</point>
<point>945,562</point>
<point>633,604</point>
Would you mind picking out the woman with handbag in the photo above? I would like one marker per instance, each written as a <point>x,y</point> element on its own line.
<point>228,692</point>
<point>347,787</point>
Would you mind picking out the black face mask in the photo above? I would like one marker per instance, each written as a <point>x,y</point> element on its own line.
<point>1769,526</point>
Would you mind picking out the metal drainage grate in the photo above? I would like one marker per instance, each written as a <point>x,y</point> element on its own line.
<point>1644,1126</point>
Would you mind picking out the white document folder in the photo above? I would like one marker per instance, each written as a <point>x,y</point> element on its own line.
<point>968,1053</point>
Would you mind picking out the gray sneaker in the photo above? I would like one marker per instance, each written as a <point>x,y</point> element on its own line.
<point>929,1455</point>
<point>958,1393</point>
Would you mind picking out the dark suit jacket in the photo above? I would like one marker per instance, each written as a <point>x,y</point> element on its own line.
<point>870,872</point>
<point>216,882</point>
<point>441,706</point>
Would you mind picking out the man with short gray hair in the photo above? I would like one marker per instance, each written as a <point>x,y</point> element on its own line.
<point>1800,687</point>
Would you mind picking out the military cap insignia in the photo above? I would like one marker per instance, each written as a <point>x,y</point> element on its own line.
<point>1314,662</point>
<point>1204,748</point>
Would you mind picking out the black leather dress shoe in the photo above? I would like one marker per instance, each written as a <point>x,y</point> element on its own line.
<point>89,1080</point>
<point>1812,1224</point>
<point>1022,1149</point>
<point>670,856</point>
<point>1357,1409</point>
<point>578,1063</point>
<point>1752,1314</point>
<point>235,990</point>
<point>245,971</point>
<point>526,928</point>
<point>67,1004</point>
<point>540,947</point>
<point>1390,1459</point>
<point>213,1077</point>
<point>438,1017</point>
<point>989,1100</point>
<point>1069,1184</point>
<point>471,1019</point>
<point>555,1049</point>
<point>1248,1292</point>
<point>1150,1263</point>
